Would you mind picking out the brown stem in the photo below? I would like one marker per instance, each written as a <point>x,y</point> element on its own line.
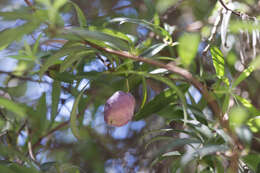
<point>30,4</point>
<point>189,78</point>
<point>172,68</point>
<point>63,124</point>
<point>22,77</point>
<point>234,12</point>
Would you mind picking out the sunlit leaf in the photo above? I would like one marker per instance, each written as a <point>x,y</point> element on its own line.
<point>157,29</point>
<point>113,33</point>
<point>246,103</point>
<point>243,76</point>
<point>237,117</point>
<point>100,37</point>
<point>254,124</point>
<point>153,50</point>
<point>144,92</point>
<point>188,47</point>
<point>219,64</point>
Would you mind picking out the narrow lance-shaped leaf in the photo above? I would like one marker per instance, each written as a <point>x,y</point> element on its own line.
<point>55,58</point>
<point>153,50</point>
<point>218,61</point>
<point>36,44</point>
<point>113,33</point>
<point>16,108</point>
<point>144,92</point>
<point>55,97</point>
<point>157,138</point>
<point>73,58</point>
<point>41,111</point>
<point>219,64</point>
<point>157,29</point>
<point>243,76</point>
<point>73,116</point>
<point>246,103</point>
<point>81,18</point>
<point>98,37</point>
<point>156,104</point>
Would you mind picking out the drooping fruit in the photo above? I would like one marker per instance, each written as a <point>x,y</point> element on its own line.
<point>119,109</point>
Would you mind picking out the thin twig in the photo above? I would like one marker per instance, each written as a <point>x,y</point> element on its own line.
<point>29,145</point>
<point>30,4</point>
<point>38,142</point>
<point>239,14</point>
<point>60,126</point>
<point>22,77</point>
<point>189,78</point>
<point>174,69</point>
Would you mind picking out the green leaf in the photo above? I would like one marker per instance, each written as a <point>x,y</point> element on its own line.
<point>237,117</point>
<point>14,168</point>
<point>73,58</point>
<point>178,142</point>
<point>40,117</point>
<point>157,138</point>
<point>237,26</point>
<point>211,149</point>
<point>23,14</point>
<point>73,116</point>
<point>201,128</point>
<point>13,34</point>
<point>172,153</point>
<point>156,19</point>
<point>254,124</point>
<point>55,97</point>
<point>163,5</point>
<point>156,104</point>
<point>206,150</point>
<point>36,44</point>
<point>226,103</point>
<point>150,8</point>
<point>252,160</point>
<point>144,92</point>
<point>187,48</point>
<point>48,166</point>
<point>113,33</point>
<point>81,17</point>
<point>153,50</point>
<point>57,4</point>
<point>246,103</point>
<point>218,61</point>
<point>54,59</point>
<point>243,76</point>
<point>100,37</point>
<point>17,108</point>
<point>157,29</point>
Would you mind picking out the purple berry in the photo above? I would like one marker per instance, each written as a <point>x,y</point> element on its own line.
<point>119,109</point>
